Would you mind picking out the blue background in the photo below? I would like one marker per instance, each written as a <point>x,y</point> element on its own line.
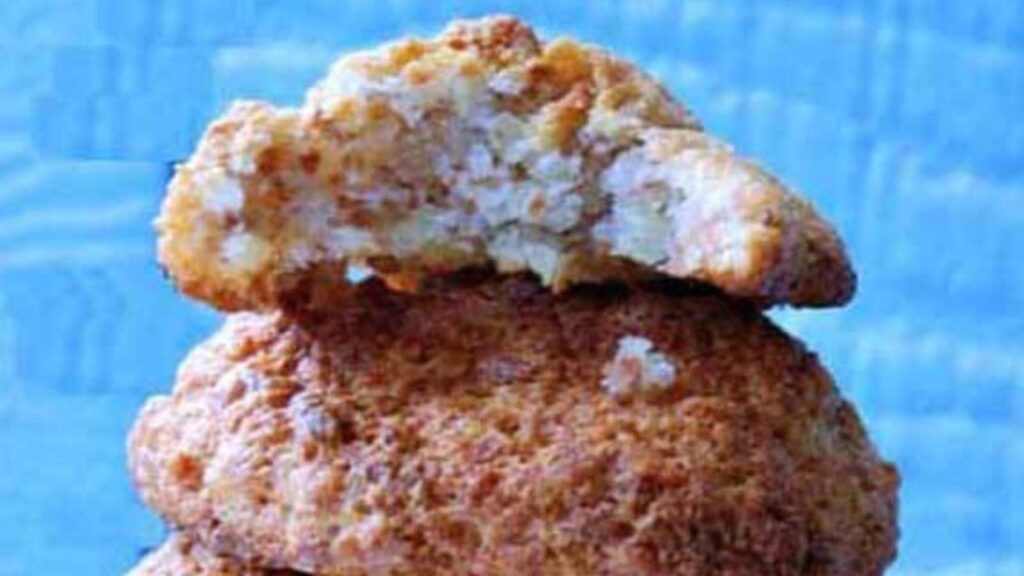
<point>902,120</point>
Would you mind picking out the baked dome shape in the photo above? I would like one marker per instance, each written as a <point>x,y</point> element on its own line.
<point>485,425</point>
<point>485,146</point>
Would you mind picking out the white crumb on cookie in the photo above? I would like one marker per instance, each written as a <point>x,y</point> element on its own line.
<point>637,369</point>
<point>222,194</point>
<point>244,251</point>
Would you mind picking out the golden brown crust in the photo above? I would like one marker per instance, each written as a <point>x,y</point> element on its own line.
<point>465,429</point>
<point>485,146</point>
<point>180,555</point>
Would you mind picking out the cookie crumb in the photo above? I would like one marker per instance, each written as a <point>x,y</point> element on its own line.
<point>637,368</point>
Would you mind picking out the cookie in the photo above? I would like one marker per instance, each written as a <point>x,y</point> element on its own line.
<point>485,425</point>
<point>485,146</point>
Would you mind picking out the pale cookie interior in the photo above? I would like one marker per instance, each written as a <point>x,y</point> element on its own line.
<point>484,147</point>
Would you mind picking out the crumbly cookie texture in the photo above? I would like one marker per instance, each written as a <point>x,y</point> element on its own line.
<point>464,429</point>
<point>484,146</point>
<point>180,555</point>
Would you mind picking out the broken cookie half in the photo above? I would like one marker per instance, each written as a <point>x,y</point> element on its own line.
<point>485,147</point>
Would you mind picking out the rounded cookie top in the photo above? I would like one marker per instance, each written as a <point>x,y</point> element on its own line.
<point>485,146</point>
<point>485,425</point>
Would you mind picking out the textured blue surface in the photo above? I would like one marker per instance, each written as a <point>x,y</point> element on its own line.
<point>902,119</point>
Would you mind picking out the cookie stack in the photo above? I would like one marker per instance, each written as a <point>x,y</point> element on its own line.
<point>496,308</point>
